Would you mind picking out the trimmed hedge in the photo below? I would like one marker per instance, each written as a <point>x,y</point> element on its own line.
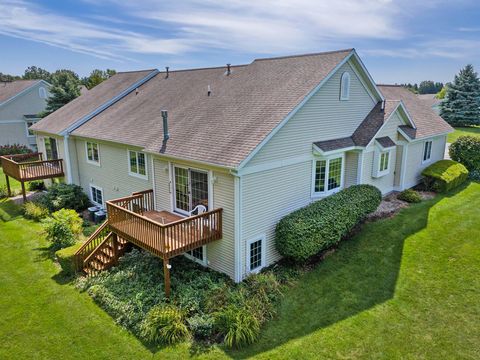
<point>444,175</point>
<point>466,150</point>
<point>322,224</point>
<point>410,196</point>
<point>65,258</point>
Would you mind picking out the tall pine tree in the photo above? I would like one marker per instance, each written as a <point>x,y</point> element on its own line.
<point>461,106</point>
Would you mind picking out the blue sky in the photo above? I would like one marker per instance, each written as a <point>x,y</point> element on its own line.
<point>399,41</point>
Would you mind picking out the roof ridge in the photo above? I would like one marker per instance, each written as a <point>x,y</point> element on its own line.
<point>204,68</point>
<point>304,55</point>
<point>134,71</point>
<point>392,85</point>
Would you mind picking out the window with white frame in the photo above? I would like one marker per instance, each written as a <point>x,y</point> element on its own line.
<point>328,175</point>
<point>384,161</point>
<point>427,150</point>
<point>28,124</point>
<point>93,154</point>
<point>96,195</point>
<point>255,254</point>
<point>42,93</point>
<point>137,164</point>
<point>345,86</point>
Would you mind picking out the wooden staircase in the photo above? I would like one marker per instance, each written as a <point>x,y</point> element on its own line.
<point>100,252</point>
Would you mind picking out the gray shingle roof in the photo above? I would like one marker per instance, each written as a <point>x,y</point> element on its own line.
<point>335,144</point>
<point>385,142</point>
<point>88,102</point>
<point>427,122</point>
<point>10,89</point>
<point>223,128</point>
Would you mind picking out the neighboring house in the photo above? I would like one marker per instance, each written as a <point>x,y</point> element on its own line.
<point>20,103</point>
<point>257,140</point>
<point>432,101</point>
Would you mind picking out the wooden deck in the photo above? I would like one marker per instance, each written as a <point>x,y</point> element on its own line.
<point>161,232</point>
<point>29,167</point>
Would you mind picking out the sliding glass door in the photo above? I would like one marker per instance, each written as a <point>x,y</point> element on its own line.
<point>191,189</point>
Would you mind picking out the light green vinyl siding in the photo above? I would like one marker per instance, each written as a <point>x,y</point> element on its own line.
<point>267,197</point>
<point>112,174</point>
<point>221,253</point>
<point>323,117</point>
<point>414,163</point>
<point>351,168</point>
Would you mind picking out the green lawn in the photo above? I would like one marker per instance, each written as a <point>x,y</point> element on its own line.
<point>407,287</point>
<point>462,131</point>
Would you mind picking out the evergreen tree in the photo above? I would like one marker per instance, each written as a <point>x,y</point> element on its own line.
<point>66,87</point>
<point>461,106</point>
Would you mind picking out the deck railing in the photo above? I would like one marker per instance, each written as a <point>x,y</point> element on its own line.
<point>89,246</point>
<point>27,167</point>
<point>126,217</point>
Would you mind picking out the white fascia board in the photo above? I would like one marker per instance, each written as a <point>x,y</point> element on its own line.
<point>368,74</point>
<point>107,104</point>
<point>294,111</point>
<point>21,93</point>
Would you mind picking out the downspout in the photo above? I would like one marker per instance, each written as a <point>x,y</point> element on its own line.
<point>238,227</point>
<point>67,158</point>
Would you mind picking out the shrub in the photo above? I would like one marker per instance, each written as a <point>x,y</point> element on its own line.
<point>36,185</point>
<point>3,191</point>
<point>444,175</point>
<point>202,326</point>
<point>63,228</point>
<point>34,211</point>
<point>466,150</point>
<point>164,325</point>
<point>14,149</point>
<point>475,175</point>
<point>65,258</point>
<point>65,196</point>
<point>410,196</point>
<point>238,324</point>
<point>264,290</point>
<point>322,224</point>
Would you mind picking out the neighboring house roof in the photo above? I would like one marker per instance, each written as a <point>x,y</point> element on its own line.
<point>10,89</point>
<point>427,122</point>
<point>223,128</point>
<point>430,99</point>
<point>75,110</point>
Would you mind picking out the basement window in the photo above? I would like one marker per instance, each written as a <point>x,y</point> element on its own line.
<point>96,195</point>
<point>256,254</point>
<point>197,255</point>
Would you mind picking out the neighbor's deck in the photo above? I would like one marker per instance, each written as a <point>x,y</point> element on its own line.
<point>29,167</point>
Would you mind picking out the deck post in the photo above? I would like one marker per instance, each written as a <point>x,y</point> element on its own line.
<point>115,248</point>
<point>23,192</point>
<point>166,276</point>
<point>8,185</point>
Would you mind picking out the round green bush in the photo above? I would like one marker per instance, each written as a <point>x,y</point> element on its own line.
<point>410,196</point>
<point>322,224</point>
<point>65,196</point>
<point>444,175</point>
<point>466,150</point>
<point>164,325</point>
<point>63,228</point>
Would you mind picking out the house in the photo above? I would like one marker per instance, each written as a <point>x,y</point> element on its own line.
<point>432,101</point>
<point>20,103</point>
<point>251,143</point>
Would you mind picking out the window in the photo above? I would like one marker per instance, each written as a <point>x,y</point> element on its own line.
<point>93,155</point>
<point>427,151</point>
<point>191,189</point>
<point>328,175</point>
<point>256,254</point>
<point>51,148</point>
<point>197,255</point>
<point>345,86</point>
<point>384,161</point>
<point>30,132</point>
<point>42,93</point>
<point>96,195</point>
<point>137,164</point>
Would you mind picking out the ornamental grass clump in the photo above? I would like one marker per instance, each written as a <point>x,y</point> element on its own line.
<point>164,324</point>
<point>322,224</point>
<point>239,325</point>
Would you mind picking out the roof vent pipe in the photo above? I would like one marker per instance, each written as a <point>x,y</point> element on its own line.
<point>383,105</point>
<point>228,69</point>
<point>166,75</point>
<point>209,90</point>
<point>166,135</point>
